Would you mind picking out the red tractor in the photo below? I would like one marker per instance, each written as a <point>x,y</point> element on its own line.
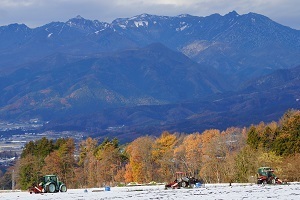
<point>265,175</point>
<point>182,180</point>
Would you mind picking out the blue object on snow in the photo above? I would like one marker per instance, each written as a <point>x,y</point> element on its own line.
<point>198,185</point>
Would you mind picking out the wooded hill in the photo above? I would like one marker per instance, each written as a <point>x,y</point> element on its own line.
<point>214,156</point>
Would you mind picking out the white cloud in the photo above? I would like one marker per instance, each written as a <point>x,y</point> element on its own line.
<point>16,3</point>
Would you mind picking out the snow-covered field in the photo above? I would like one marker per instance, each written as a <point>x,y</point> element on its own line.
<point>209,191</point>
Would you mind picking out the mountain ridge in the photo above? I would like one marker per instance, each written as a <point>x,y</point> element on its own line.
<point>235,36</point>
<point>150,72</point>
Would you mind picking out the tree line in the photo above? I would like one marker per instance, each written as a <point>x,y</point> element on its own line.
<point>215,156</point>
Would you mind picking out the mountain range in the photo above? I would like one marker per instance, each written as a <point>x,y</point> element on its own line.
<point>149,73</point>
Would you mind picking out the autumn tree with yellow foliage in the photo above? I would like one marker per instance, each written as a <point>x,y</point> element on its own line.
<point>163,155</point>
<point>140,167</point>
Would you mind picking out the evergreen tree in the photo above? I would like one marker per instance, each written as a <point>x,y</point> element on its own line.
<point>245,164</point>
<point>287,141</point>
<point>253,139</point>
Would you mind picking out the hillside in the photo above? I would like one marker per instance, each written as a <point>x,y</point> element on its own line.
<point>63,84</point>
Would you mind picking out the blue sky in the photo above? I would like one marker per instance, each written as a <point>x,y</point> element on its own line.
<point>36,13</point>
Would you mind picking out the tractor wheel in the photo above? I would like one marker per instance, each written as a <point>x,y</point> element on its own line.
<point>51,188</point>
<point>184,184</point>
<point>63,188</point>
<point>273,181</point>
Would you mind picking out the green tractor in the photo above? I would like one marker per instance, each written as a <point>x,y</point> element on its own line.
<point>51,184</point>
<point>265,175</point>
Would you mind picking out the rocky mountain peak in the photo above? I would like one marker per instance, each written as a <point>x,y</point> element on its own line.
<point>86,25</point>
<point>232,14</point>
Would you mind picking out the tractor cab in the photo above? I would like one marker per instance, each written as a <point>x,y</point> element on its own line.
<point>51,184</point>
<point>50,178</point>
<point>265,175</point>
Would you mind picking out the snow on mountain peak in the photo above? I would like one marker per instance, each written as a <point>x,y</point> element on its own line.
<point>86,25</point>
<point>144,15</point>
<point>49,35</point>
<point>141,23</point>
<point>184,15</point>
<point>142,20</point>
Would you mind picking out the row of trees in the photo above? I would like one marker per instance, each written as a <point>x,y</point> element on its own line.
<point>281,138</point>
<point>232,155</point>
